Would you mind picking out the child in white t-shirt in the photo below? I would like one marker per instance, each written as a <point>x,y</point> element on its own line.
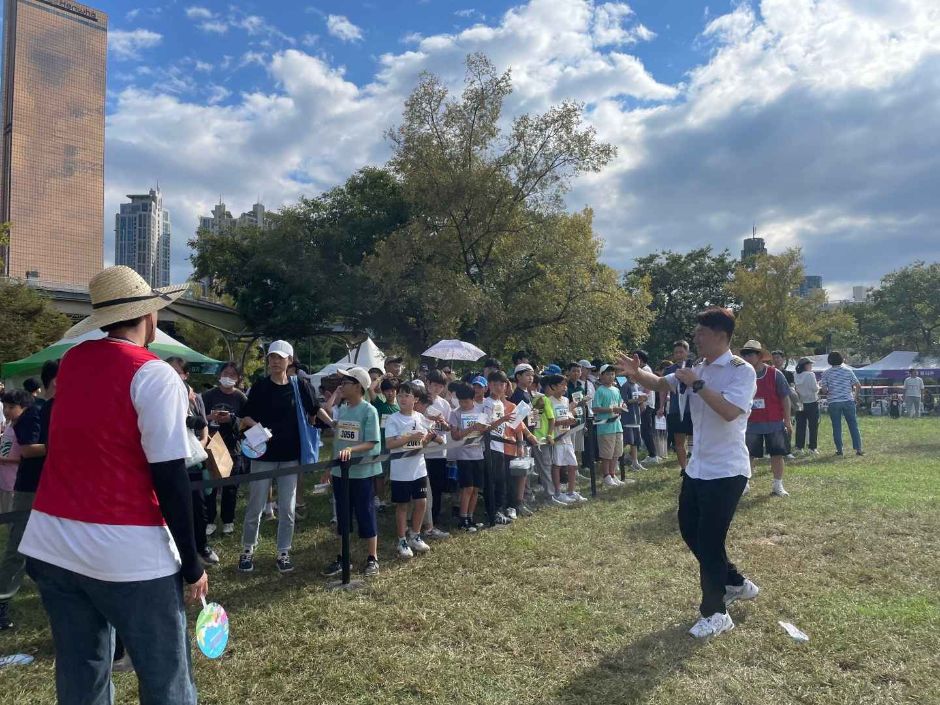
<point>408,430</point>
<point>563,455</point>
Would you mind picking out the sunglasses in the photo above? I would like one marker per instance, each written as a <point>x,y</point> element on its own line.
<point>749,353</point>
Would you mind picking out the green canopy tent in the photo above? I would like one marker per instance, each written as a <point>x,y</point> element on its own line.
<point>164,346</point>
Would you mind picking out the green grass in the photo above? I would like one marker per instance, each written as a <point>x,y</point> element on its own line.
<point>591,605</point>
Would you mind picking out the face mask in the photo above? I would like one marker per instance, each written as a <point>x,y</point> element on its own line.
<point>227,381</point>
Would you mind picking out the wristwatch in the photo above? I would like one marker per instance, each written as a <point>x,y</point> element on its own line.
<point>698,385</point>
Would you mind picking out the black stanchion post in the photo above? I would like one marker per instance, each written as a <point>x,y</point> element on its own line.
<point>589,432</point>
<point>344,514</point>
<point>489,489</point>
<point>345,522</point>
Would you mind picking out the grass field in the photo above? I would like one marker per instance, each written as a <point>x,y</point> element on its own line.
<point>591,605</point>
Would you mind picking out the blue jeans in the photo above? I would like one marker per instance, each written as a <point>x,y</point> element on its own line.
<point>837,410</point>
<point>148,614</point>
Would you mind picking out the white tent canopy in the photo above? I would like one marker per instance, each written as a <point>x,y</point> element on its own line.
<point>365,355</point>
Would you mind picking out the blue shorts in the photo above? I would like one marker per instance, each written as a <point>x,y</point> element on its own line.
<point>361,494</point>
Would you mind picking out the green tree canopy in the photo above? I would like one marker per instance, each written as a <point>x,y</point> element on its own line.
<point>28,321</point>
<point>681,284</point>
<point>772,311</point>
<point>906,307</point>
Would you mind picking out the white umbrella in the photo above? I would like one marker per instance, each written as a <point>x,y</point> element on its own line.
<point>454,350</point>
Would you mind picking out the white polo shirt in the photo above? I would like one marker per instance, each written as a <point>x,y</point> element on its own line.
<point>720,450</point>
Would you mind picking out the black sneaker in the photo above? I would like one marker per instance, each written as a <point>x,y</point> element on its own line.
<point>5,621</point>
<point>246,563</point>
<point>467,527</point>
<point>858,452</point>
<point>371,568</point>
<point>284,563</point>
<point>334,568</point>
<point>208,556</point>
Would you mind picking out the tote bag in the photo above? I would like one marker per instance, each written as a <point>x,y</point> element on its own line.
<point>309,435</point>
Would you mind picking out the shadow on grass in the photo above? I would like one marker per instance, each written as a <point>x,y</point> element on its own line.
<point>629,675</point>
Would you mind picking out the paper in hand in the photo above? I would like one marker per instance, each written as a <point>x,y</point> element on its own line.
<point>519,415</point>
<point>256,435</point>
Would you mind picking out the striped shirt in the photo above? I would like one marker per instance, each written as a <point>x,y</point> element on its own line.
<point>838,382</point>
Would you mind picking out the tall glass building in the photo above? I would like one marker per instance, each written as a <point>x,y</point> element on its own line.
<point>142,237</point>
<point>52,153</point>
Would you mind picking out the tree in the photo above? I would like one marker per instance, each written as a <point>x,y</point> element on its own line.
<point>907,306</point>
<point>488,254</point>
<point>681,286</point>
<point>28,321</point>
<point>304,275</point>
<point>771,310</point>
<point>4,241</point>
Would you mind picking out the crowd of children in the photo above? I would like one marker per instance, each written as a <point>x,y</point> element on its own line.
<point>519,441</point>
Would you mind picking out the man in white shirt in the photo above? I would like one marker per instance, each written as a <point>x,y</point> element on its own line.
<point>913,393</point>
<point>723,387</point>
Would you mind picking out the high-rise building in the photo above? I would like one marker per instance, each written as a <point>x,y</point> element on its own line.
<point>753,246</point>
<point>52,154</point>
<point>859,294</point>
<point>142,237</point>
<point>809,283</point>
<point>222,220</point>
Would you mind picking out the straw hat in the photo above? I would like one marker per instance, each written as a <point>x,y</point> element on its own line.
<point>120,294</point>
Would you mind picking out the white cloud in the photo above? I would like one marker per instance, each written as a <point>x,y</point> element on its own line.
<point>217,94</point>
<point>203,66</point>
<point>310,40</point>
<point>199,13</point>
<point>213,27</point>
<point>341,28</point>
<point>127,44</point>
<point>807,116</point>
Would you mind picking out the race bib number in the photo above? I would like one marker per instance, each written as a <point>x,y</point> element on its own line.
<point>758,404</point>
<point>383,420</point>
<point>534,418</point>
<point>413,444</point>
<point>576,397</point>
<point>501,430</point>
<point>349,431</point>
<point>561,411</point>
<point>467,420</point>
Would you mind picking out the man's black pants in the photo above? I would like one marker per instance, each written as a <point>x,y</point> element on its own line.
<point>706,508</point>
<point>647,425</point>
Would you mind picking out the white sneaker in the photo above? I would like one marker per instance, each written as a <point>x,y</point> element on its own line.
<point>636,466</point>
<point>652,460</point>
<point>563,498</point>
<point>747,488</point>
<point>511,513</point>
<point>210,529</point>
<point>578,497</point>
<point>417,544</point>
<point>790,456</point>
<point>557,500</point>
<point>228,528</point>
<point>404,550</point>
<point>437,534</point>
<point>814,451</point>
<point>778,490</point>
<point>747,591</point>
<point>609,481</point>
<point>708,627</point>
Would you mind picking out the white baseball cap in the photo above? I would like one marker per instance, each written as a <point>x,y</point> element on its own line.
<point>585,363</point>
<point>604,368</point>
<point>281,348</point>
<point>522,367</point>
<point>358,374</point>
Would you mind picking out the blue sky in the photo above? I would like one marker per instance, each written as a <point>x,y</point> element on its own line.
<point>808,117</point>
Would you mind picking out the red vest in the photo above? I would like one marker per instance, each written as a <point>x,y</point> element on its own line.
<point>767,393</point>
<point>96,470</point>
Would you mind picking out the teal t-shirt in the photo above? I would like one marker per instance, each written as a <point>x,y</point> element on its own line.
<point>354,425</point>
<point>607,423</point>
